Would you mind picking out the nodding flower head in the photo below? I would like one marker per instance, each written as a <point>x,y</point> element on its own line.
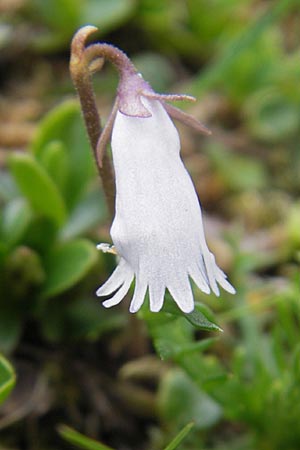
<point>157,230</point>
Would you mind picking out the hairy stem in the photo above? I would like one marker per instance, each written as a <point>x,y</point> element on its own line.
<point>81,76</point>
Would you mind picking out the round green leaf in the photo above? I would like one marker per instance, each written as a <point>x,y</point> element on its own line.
<point>37,187</point>
<point>7,378</point>
<point>68,264</point>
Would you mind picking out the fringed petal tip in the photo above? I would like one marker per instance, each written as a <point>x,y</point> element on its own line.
<point>118,285</point>
<point>216,276</point>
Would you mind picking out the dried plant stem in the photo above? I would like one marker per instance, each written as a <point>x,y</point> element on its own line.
<point>81,76</point>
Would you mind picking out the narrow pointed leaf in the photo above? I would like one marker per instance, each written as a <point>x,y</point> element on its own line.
<point>79,440</point>
<point>180,436</point>
<point>7,378</point>
<point>201,319</point>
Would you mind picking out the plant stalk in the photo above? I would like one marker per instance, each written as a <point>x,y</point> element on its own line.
<point>81,76</point>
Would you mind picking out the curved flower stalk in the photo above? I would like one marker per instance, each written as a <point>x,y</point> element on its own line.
<point>157,230</point>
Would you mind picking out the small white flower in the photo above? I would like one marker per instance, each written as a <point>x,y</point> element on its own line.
<point>157,230</point>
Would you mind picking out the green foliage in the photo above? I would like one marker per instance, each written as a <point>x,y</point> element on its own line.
<point>7,378</point>
<point>263,391</point>
<point>60,18</point>
<point>172,332</point>
<point>37,186</point>
<point>49,202</point>
<point>180,437</point>
<point>16,218</point>
<point>181,401</point>
<point>80,441</point>
<point>66,265</point>
<point>250,36</point>
<point>61,137</point>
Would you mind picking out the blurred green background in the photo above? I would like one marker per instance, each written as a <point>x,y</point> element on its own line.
<point>73,374</point>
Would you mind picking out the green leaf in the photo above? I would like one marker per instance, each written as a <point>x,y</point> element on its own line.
<point>201,317</point>
<point>53,126</point>
<point>61,15</point>
<point>67,264</point>
<point>106,14</point>
<point>16,218</point>
<point>37,187</point>
<point>293,225</point>
<point>91,211</point>
<point>169,337</point>
<point>197,346</point>
<point>180,436</point>
<point>219,69</point>
<point>65,124</point>
<point>8,187</point>
<point>181,401</point>
<point>41,234</point>
<point>81,318</point>
<point>10,326</point>
<point>7,378</point>
<point>86,319</point>
<point>55,160</point>
<point>79,440</point>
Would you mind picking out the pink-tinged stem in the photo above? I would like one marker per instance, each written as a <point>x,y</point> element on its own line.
<point>81,76</point>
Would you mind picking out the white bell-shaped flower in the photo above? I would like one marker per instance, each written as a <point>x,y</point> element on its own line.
<point>157,230</point>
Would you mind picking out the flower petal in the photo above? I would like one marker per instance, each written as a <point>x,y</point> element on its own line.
<point>221,278</point>
<point>117,278</point>
<point>158,226</point>
<point>210,264</point>
<point>199,279</point>
<point>215,274</point>
<point>120,294</point>
<point>156,296</point>
<point>181,291</point>
<point>138,296</point>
